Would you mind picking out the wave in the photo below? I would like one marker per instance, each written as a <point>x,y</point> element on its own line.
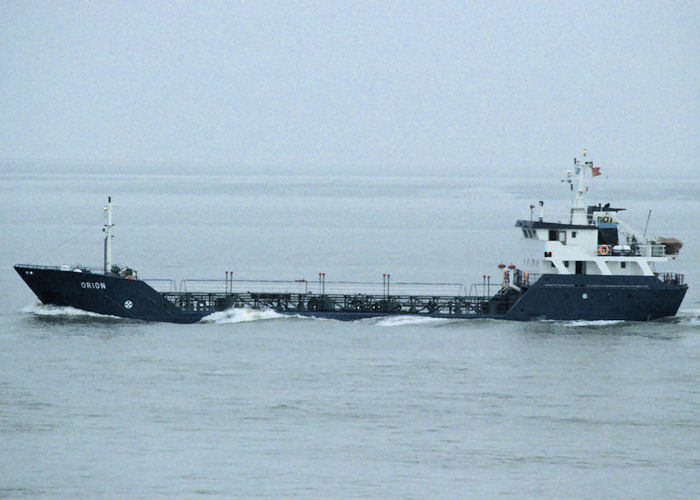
<point>391,321</point>
<point>241,315</point>
<point>588,323</point>
<point>689,317</point>
<point>48,310</point>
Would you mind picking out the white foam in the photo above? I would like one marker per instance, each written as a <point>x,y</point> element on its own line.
<point>40,309</point>
<point>598,322</point>
<point>392,321</point>
<point>241,315</point>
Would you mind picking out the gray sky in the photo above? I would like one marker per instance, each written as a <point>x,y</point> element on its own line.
<point>428,87</point>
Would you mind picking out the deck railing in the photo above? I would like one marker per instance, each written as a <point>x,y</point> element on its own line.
<point>671,278</point>
<point>649,250</point>
<point>303,286</point>
<point>633,250</point>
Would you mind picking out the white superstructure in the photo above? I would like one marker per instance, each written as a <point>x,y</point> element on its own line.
<point>595,240</point>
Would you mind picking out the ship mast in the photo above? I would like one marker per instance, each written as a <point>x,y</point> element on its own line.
<point>578,209</point>
<point>108,236</point>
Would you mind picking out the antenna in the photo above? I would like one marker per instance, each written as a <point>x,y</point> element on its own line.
<point>108,236</point>
<point>646,226</point>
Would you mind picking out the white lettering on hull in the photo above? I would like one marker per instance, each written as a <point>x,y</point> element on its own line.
<point>95,285</point>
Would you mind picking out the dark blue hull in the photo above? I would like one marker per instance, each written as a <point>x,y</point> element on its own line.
<point>594,297</point>
<point>551,297</point>
<point>103,294</point>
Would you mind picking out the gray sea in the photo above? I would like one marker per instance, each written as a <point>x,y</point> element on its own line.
<point>251,404</point>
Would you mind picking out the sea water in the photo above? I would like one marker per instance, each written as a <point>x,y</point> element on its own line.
<point>254,404</point>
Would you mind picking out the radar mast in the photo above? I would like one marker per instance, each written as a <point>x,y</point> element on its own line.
<point>108,236</point>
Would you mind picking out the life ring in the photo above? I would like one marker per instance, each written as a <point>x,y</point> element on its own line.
<point>201,305</point>
<point>603,249</point>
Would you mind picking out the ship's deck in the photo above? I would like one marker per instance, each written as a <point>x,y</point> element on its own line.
<point>443,305</point>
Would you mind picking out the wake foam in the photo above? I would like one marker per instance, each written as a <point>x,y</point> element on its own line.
<point>584,323</point>
<point>241,315</point>
<point>48,310</point>
<point>690,317</point>
<point>392,321</point>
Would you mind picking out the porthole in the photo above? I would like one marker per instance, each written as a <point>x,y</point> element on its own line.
<point>585,296</point>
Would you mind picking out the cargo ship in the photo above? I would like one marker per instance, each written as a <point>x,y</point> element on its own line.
<point>591,267</point>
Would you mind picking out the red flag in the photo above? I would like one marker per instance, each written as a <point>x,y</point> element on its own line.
<point>595,171</point>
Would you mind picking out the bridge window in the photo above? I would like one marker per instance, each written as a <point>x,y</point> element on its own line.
<point>557,236</point>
